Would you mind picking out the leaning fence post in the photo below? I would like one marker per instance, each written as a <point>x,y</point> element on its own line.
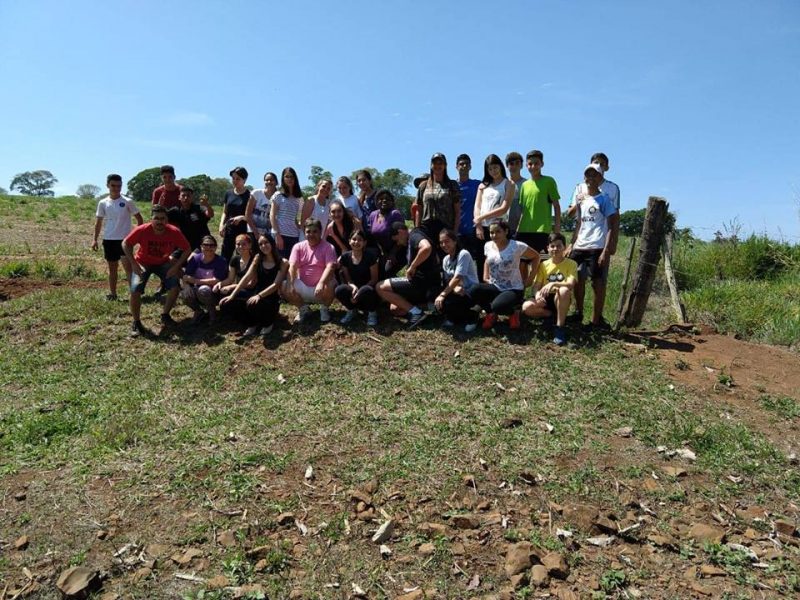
<point>680,309</point>
<point>649,256</point>
<point>625,276</point>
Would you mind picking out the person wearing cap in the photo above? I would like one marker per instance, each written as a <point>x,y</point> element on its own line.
<point>422,279</point>
<point>167,194</point>
<point>592,240</point>
<point>233,221</point>
<point>609,188</point>
<point>438,199</point>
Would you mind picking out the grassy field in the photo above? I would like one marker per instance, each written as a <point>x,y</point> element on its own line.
<point>176,465</point>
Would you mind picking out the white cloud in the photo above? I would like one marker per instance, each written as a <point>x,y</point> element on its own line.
<point>188,118</point>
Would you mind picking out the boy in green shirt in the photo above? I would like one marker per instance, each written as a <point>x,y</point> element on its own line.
<point>538,200</point>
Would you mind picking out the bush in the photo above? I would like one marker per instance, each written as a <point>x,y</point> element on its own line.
<point>15,269</point>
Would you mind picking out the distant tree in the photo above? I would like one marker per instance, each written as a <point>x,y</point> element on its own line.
<point>34,183</point>
<point>567,222</point>
<point>203,184</point>
<point>87,190</point>
<point>3,190</point>
<point>317,173</point>
<point>219,185</point>
<point>631,222</point>
<point>141,185</point>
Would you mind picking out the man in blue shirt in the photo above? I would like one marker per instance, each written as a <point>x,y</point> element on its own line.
<point>466,227</point>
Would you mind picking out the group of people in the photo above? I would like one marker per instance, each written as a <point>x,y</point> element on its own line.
<point>474,248</point>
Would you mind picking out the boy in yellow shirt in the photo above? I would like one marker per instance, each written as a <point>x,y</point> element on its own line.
<point>552,287</point>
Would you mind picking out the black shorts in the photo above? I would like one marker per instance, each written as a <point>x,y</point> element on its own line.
<point>537,240</point>
<point>112,250</point>
<point>415,291</point>
<point>550,303</point>
<point>587,265</point>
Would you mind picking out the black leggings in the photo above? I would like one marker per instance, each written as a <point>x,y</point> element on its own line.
<point>263,314</point>
<point>456,308</point>
<point>492,300</point>
<point>367,297</point>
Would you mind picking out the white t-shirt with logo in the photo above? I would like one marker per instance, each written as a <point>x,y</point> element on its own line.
<point>117,216</point>
<point>593,213</point>
<point>504,266</point>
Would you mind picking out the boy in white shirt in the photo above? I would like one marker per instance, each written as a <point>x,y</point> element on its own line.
<point>594,238</point>
<point>116,210</point>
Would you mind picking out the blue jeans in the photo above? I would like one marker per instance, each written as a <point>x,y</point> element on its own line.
<point>138,282</point>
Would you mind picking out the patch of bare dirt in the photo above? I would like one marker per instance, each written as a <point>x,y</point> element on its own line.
<point>14,287</point>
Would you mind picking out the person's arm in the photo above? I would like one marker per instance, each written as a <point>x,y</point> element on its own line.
<point>98,225</point>
<point>456,193</point>
<point>248,214</point>
<point>178,265</point>
<point>225,283</point>
<point>576,230</point>
<point>308,208</point>
<point>207,208</point>
<point>273,219</point>
<point>127,248</point>
<point>476,212</point>
<point>419,203</point>
<point>611,239</point>
<point>275,286</point>
<point>223,219</point>
<point>330,231</point>
<point>455,280</point>
<point>557,214</point>
<point>139,219</point>
<point>423,252</point>
<point>244,282</point>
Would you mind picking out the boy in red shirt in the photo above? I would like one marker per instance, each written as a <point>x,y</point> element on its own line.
<point>155,241</point>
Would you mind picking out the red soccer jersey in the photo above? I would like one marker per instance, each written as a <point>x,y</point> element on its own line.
<point>154,249</point>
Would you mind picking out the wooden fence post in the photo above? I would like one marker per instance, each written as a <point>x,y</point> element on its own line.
<point>680,309</point>
<point>625,276</point>
<point>649,256</point>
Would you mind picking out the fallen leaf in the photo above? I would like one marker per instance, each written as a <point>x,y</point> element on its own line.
<point>602,541</point>
<point>281,378</point>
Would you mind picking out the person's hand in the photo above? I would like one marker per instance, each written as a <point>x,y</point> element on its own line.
<point>439,302</point>
<point>459,289</point>
<point>94,245</point>
<point>279,241</point>
<point>356,291</point>
<point>252,300</point>
<point>137,268</point>
<point>476,221</point>
<point>479,232</point>
<point>204,201</point>
<point>410,272</point>
<point>222,230</point>
<point>320,287</point>
<point>602,261</point>
<point>217,287</point>
<point>225,300</point>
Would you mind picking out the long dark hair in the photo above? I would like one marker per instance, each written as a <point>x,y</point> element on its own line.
<point>347,182</point>
<point>445,178</point>
<point>347,220</point>
<point>492,159</point>
<point>273,250</point>
<point>295,192</point>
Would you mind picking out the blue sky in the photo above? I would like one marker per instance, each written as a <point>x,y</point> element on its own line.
<point>692,100</point>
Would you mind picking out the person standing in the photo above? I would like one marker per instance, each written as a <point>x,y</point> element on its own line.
<point>233,222</point>
<point>539,201</point>
<point>318,206</point>
<point>438,200</point>
<point>190,218</point>
<point>168,193</point>
<point>466,227</point>
<point>344,188</point>
<point>116,211</point>
<point>514,166</point>
<point>494,197</point>
<point>258,207</point>
<point>366,195</point>
<point>592,240</point>
<point>284,212</point>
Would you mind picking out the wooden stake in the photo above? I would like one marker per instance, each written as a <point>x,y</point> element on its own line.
<point>680,309</point>
<point>624,290</point>
<point>649,255</point>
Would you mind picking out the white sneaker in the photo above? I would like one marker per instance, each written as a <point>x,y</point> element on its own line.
<point>302,314</point>
<point>250,331</point>
<point>447,323</point>
<point>470,327</point>
<point>324,314</point>
<point>372,319</point>
<point>348,317</point>
<point>266,330</point>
